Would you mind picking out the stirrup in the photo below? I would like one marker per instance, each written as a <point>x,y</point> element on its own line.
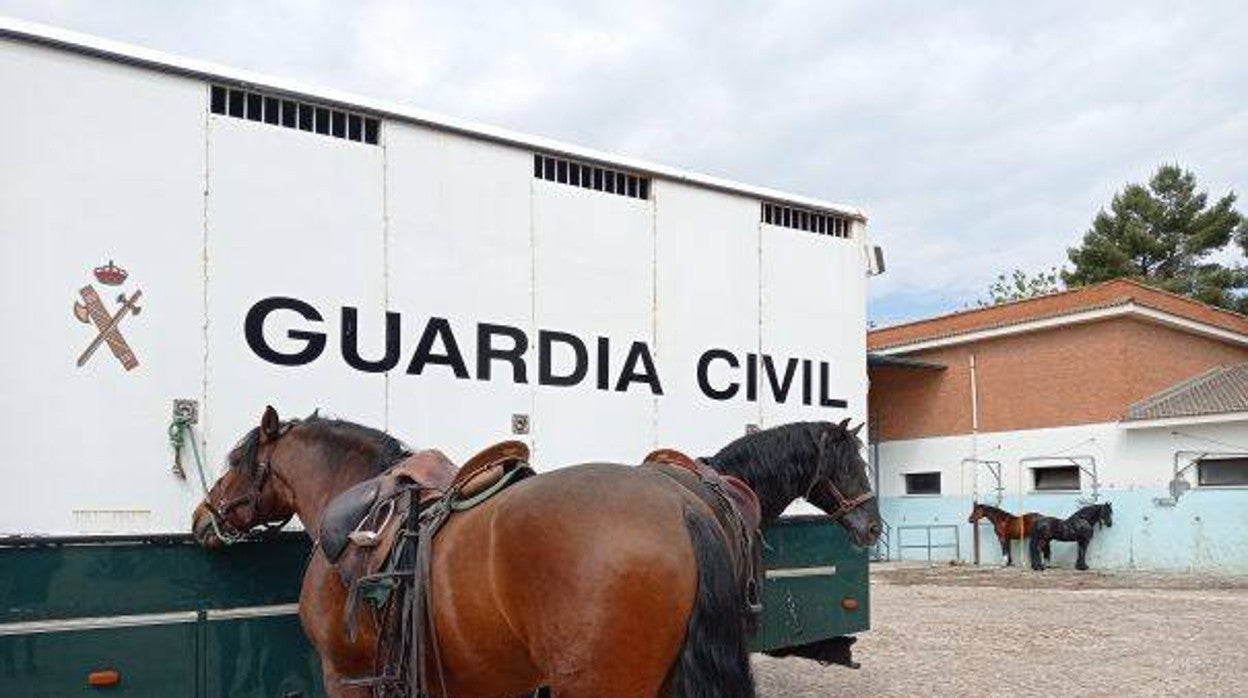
<point>369,539</point>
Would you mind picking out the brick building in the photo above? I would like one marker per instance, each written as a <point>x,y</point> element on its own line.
<point>1114,392</point>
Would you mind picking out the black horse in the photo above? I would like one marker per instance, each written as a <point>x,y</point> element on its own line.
<point>1078,528</point>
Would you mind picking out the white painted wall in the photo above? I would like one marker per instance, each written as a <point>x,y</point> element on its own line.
<point>460,247</point>
<point>97,162</point>
<point>289,214</point>
<point>707,282</point>
<point>1126,458</point>
<point>593,276</point>
<point>1206,530</point>
<point>211,214</point>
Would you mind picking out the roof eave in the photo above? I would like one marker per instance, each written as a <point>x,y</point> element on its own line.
<point>1184,420</point>
<point>1124,309</point>
<point>875,360</point>
<point>33,32</point>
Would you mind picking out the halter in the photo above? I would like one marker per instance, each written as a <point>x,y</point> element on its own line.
<point>264,470</point>
<point>844,504</point>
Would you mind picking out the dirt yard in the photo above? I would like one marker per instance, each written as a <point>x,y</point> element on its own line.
<point>967,631</point>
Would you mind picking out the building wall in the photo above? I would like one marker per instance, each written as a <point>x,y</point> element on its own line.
<point>1205,530</point>
<point>213,215</point>
<point>1075,374</point>
<point>1157,357</point>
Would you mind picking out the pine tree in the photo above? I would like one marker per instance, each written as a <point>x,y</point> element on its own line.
<point>1165,234</point>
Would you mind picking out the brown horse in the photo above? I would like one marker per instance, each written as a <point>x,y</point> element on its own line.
<point>1007,526</point>
<point>597,581</point>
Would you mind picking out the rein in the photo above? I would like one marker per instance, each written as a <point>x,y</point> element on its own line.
<point>844,504</point>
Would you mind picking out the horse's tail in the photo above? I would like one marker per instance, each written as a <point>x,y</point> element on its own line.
<point>714,661</point>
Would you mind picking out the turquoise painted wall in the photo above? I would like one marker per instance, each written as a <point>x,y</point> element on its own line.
<point>1205,531</point>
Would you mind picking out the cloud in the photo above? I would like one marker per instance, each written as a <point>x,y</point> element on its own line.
<point>979,136</point>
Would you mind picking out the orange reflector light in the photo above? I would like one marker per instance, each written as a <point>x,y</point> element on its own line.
<point>849,603</point>
<point>104,678</point>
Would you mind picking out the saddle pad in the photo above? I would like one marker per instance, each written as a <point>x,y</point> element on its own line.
<point>746,500</point>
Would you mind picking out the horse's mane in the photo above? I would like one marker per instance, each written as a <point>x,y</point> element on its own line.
<point>1092,512</point>
<point>766,459</point>
<point>340,437</point>
<point>996,510</point>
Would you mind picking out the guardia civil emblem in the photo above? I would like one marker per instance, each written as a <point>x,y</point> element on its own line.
<point>92,310</point>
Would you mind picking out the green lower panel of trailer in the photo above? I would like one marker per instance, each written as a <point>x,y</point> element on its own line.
<point>172,619</point>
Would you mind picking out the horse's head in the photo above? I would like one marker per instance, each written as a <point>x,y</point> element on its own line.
<point>977,513</point>
<point>250,495</point>
<point>839,484</point>
<point>1107,515</point>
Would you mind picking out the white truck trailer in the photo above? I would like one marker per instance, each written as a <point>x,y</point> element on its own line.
<point>186,239</point>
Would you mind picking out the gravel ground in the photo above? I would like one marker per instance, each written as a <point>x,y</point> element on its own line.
<point>967,631</point>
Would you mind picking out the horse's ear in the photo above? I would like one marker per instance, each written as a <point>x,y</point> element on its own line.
<point>844,423</point>
<point>855,430</point>
<point>269,423</point>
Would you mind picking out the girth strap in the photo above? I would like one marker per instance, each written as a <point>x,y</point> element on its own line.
<point>424,632</point>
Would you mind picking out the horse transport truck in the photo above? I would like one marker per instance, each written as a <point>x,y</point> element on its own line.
<point>185,244</point>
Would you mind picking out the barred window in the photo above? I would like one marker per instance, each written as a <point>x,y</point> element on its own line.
<point>292,114</point>
<point>589,176</point>
<point>811,221</point>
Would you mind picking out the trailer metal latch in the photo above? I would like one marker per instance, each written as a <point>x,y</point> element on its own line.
<point>519,424</point>
<point>187,410</point>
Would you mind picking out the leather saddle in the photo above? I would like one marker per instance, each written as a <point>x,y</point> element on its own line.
<point>739,493</point>
<point>368,507</point>
<point>367,515</point>
<point>737,510</point>
<point>379,537</point>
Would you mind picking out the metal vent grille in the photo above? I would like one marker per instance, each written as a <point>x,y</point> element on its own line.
<point>805,219</point>
<point>289,113</point>
<point>586,176</point>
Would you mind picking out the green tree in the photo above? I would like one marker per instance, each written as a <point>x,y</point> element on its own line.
<point>1164,234</point>
<point>1019,285</point>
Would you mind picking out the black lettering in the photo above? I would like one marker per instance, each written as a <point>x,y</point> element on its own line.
<point>639,352</point>
<point>546,339</point>
<point>751,377</point>
<point>253,330</point>
<point>438,328</point>
<point>604,363</point>
<point>487,352</point>
<point>779,387</point>
<point>704,382</point>
<point>806,378</point>
<point>350,340</point>
<point>825,386</point>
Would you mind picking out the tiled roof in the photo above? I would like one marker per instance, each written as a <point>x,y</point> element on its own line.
<point>1217,391</point>
<point>1109,294</point>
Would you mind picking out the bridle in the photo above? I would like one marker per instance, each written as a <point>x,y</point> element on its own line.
<point>264,470</point>
<point>844,504</point>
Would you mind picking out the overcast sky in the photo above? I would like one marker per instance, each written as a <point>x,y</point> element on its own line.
<point>978,136</point>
